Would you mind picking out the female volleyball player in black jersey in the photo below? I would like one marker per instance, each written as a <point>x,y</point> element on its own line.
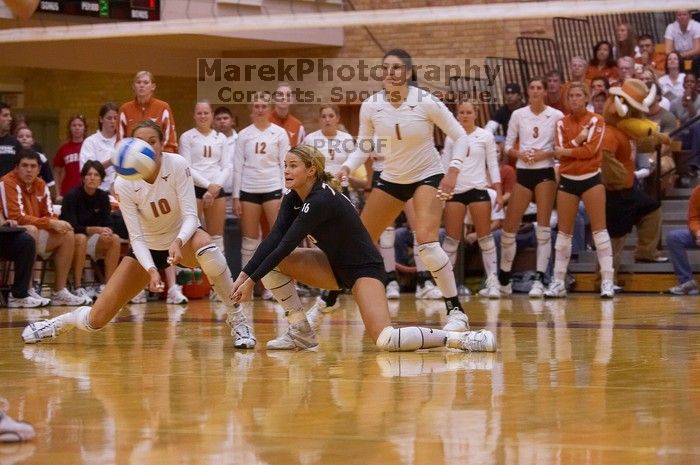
<point>401,119</point>
<point>346,257</point>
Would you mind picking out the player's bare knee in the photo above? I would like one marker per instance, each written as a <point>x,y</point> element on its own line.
<point>211,260</point>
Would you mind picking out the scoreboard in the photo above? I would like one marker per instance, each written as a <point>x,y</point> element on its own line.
<point>123,10</point>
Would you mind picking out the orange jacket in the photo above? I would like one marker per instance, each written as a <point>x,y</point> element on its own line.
<point>132,112</point>
<point>294,128</point>
<point>585,158</point>
<point>618,144</point>
<point>694,212</point>
<point>26,205</point>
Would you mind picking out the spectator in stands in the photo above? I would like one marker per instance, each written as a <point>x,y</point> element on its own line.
<point>683,36</point>
<point>100,146</point>
<point>19,247</point>
<point>225,123</point>
<point>66,163</point>
<point>662,116</point>
<point>685,109</point>
<point>600,83</point>
<point>513,99</point>
<point>555,96</point>
<point>625,69</point>
<point>602,63</point>
<point>625,42</point>
<point>26,199</point>
<point>678,240</point>
<point>26,140</point>
<point>144,106</point>
<point>648,77</point>
<point>282,99</point>
<point>672,82</point>
<point>649,57</point>
<point>87,209</point>
<point>9,145</point>
<point>598,102</point>
<point>577,70</point>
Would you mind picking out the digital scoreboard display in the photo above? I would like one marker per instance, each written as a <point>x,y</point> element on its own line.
<point>122,10</point>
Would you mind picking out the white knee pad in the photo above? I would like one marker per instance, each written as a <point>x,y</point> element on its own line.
<point>563,243</point>
<point>433,256</point>
<point>275,279</point>
<point>450,245</point>
<point>248,244</point>
<point>387,238</point>
<point>601,239</point>
<point>543,234</point>
<point>390,339</point>
<point>486,243</point>
<point>211,260</point>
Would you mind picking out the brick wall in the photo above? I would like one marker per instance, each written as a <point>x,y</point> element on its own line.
<point>68,92</point>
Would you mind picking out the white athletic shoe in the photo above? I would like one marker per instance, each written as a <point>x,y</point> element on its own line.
<point>241,330</point>
<point>267,294</point>
<point>81,292</point>
<point>298,337</point>
<point>12,430</point>
<point>34,294</point>
<point>507,290</point>
<point>473,341</point>
<point>457,321</point>
<point>492,288</point>
<point>428,291</point>
<point>607,289</point>
<point>213,296</point>
<point>537,289</point>
<point>243,336</point>
<point>140,298</point>
<point>45,329</point>
<point>23,302</point>
<point>65,297</point>
<point>393,291</point>
<point>175,296</point>
<point>318,311</point>
<point>556,289</point>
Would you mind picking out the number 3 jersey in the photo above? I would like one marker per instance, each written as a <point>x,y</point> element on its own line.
<point>533,132</point>
<point>156,214</point>
<point>258,165</point>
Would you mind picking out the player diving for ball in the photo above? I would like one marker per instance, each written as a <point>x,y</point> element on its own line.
<point>160,212</point>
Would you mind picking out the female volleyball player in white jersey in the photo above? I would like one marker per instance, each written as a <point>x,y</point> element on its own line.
<point>207,152</point>
<point>401,119</point>
<point>471,192</point>
<point>532,128</point>
<point>258,177</point>
<point>346,257</point>
<point>160,213</point>
<point>333,143</point>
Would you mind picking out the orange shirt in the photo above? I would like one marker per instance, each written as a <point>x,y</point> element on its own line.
<point>294,128</point>
<point>608,72</point>
<point>694,211</point>
<point>26,205</point>
<point>132,112</point>
<point>656,61</point>
<point>560,102</point>
<point>617,143</point>
<point>585,158</point>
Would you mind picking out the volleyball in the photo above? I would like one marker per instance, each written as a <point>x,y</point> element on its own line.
<point>134,158</point>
